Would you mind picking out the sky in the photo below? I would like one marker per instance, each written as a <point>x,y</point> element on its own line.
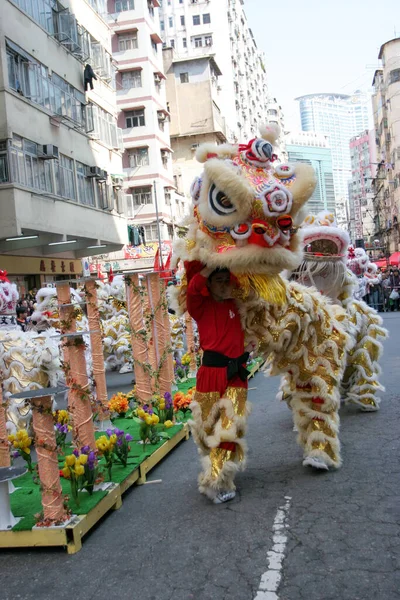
<point>320,45</point>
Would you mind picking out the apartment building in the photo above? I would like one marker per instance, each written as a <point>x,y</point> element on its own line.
<point>152,201</point>
<point>386,111</point>
<point>60,147</point>
<point>363,171</point>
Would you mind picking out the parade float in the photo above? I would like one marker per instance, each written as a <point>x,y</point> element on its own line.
<point>77,462</point>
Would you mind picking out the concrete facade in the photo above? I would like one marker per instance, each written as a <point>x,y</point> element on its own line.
<point>386,110</point>
<point>60,158</point>
<point>363,171</point>
<point>313,149</point>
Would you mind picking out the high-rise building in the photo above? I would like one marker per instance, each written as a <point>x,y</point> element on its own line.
<point>340,117</point>
<point>313,149</point>
<point>216,80</point>
<point>363,170</point>
<point>220,30</point>
<point>60,160</point>
<point>386,110</point>
<point>152,201</point>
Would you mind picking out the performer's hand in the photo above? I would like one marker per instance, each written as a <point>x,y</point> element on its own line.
<point>251,346</point>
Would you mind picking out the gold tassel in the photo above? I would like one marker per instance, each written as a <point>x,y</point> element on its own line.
<point>270,288</point>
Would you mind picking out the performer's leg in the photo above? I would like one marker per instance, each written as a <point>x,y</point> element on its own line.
<point>218,428</point>
<point>317,421</point>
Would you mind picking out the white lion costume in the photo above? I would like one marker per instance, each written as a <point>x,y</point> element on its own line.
<point>324,267</point>
<point>243,219</point>
<point>28,360</point>
<point>116,328</point>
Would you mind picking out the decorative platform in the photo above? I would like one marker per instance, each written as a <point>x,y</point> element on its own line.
<point>70,535</point>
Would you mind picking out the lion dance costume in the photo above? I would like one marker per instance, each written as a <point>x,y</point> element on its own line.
<point>324,267</point>
<point>244,218</point>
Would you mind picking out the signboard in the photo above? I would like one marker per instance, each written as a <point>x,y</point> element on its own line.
<point>32,265</point>
<point>147,250</point>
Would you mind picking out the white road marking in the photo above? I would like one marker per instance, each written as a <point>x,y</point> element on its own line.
<point>271,579</point>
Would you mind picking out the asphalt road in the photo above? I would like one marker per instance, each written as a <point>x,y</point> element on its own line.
<point>340,533</point>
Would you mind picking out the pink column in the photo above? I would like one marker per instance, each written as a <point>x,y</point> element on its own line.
<point>46,450</point>
<point>139,346</point>
<point>99,372</point>
<point>157,303</point>
<point>79,399</point>
<point>153,344</point>
<point>4,451</point>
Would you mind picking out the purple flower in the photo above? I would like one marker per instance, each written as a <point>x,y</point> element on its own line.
<point>118,432</point>
<point>119,442</point>
<point>128,437</point>
<point>92,456</point>
<point>15,454</point>
<point>167,397</point>
<point>76,452</point>
<point>85,449</point>
<point>109,432</point>
<point>64,429</point>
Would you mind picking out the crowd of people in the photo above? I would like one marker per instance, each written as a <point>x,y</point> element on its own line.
<point>25,309</point>
<point>385,295</point>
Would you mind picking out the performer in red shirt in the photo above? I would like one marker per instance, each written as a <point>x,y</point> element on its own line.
<point>219,407</point>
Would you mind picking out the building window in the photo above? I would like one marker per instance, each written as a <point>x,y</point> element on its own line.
<point>131,79</point>
<point>31,79</point>
<point>394,76</point>
<point>184,42</point>
<point>183,20</point>
<point>85,185</point>
<point>167,196</point>
<point>208,40</point>
<point>206,19</point>
<point>162,26</point>
<point>196,19</point>
<point>139,157</point>
<point>128,42</point>
<point>198,42</point>
<point>172,43</point>
<point>184,77</point>
<point>102,125</point>
<point>3,163</point>
<point>26,167</point>
<point>103,194</point>
<point>164,158</point>
<point>135,118</point>
<point>170,229</point>
<point>121,5</point>
<point>154,45</point>
<point>151,232</point>
<point>170,22</point>
<point>65,177</point>
<point>141,196</point>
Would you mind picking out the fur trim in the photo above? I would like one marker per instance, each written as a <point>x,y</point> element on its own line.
<point>270,132</point>
<point>222,151</point>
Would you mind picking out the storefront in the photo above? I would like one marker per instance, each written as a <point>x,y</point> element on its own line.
<point>30,272</point>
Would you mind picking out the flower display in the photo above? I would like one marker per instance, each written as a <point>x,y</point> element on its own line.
<point>81,468</point>
<point>21,444</point>
<point>186,358</point>
<point>62,427</point>
<point>121,447</point>
<point>61,417</point>
<point>119,404</point>
<point>168,424</point>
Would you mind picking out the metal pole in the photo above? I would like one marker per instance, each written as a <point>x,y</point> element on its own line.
<point>161,263</point>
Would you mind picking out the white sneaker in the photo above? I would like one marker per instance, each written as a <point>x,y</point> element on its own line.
<point>224,497</point>
<point>317,463</point>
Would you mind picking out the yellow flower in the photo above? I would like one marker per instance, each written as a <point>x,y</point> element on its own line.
<point>63,417</point>
<point>83,459</point>
<point>148,419</point>
<point>79,469</point>
<point>141,413</point>
<point>168,424</point>
<point>16,444</point>
<point>162,406</point>
<point>65,472</point>
<point>26,450</point>
<point>11,438</point>
<point>155,419</point>
<point>22,434</point>
<point>113,439</point>
<point>70,460</point>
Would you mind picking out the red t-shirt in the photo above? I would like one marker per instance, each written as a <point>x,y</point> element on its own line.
<point>220,330</point>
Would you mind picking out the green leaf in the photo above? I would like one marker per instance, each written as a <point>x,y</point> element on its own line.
<point>164,435</point>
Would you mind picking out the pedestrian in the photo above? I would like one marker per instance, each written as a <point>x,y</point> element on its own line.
<point>22,315</point>
<point>395,287</point>
<point>219,407</point>
<point>386,290</point>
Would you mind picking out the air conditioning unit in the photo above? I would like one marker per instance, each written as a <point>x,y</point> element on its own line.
<point>157,78</point>
<point>162,116</point>
<point>95,172</point>
<point>117,182</point>
<point>164,153</point>
<point>194,146</point>
<point>104,175</point>
<point>48,151</point>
